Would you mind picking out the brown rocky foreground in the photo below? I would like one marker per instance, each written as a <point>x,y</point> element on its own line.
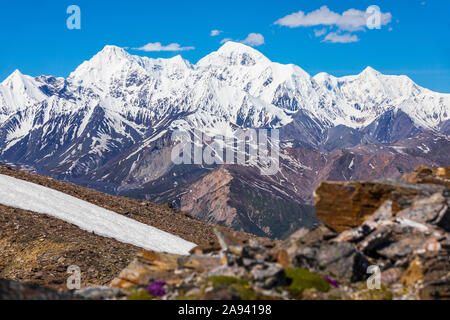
<point>401,229</point>
<point>396,232</point>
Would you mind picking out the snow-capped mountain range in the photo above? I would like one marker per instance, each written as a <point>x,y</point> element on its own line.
<point>236,84</point>
<point>108,124</point>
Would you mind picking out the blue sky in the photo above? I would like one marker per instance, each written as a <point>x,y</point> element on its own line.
<point>414,38</point>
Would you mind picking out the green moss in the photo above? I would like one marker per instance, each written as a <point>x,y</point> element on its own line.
<point>244,292</point>
<point>131,289</point>
<point>376,294</point>
<point>140,295</point>
<point>303,279</point>
<point>225,280</point>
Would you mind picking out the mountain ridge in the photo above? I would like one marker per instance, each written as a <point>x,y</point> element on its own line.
<point>109,61</point>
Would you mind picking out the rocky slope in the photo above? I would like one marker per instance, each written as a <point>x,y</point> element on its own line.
<point>397,248</point>
<point>405,235</point>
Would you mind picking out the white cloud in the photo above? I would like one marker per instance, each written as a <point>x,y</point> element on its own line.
<point>334,37</point>
<point>157,46</point>
<point>254,39</point>
<point>320,32</point>
<point>350,20</point>
<point>215,33</point>
<point>225,40</point>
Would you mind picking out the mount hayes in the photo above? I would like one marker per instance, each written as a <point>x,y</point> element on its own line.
<point>108,126</point>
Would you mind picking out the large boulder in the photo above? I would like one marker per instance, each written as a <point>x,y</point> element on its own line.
<point>344,205</point>
<point>339,259</point>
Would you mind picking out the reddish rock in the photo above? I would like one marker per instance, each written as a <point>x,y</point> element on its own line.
<point>427,175</point>
<point>344,205</point>
<point>282,257</point>
<point>391,276</point>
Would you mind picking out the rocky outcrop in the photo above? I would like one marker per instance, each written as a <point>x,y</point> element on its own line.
<point>403,235</point>
<point>344,205</point>
<point>429,175</point>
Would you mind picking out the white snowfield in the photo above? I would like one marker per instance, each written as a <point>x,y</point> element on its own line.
<point>29,196</point>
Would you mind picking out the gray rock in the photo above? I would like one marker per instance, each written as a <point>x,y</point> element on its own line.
<point>344,261</point>
<point>391,275</point>
<point>306,257</point>
<point>229,271</point>
<point>383,212</point>
<point>100,293</point>
<point>319,233</point>
<point>401,248</point>
<point>339,259</point>
<point>268,275</point>
<point>433,210</point>
<point>13,290</point>
<point>436,281</point>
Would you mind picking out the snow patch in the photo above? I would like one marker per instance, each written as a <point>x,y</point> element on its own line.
<point>29,196</point>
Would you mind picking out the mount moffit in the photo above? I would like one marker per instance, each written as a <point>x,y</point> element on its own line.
<point>109,125</point>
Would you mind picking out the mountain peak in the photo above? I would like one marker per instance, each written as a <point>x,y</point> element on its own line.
<point>231,47</point>
<point>112,51</point>
<point>16,77</point>
<point>323,76</point>
<point>15,74</point>
<point>102,65</point>
<point>235,46</point>
<point>370,71</point>
<point>177,59</point>
<point>234,53</point>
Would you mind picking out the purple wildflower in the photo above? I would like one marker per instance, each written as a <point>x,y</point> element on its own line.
<point>333,282</point>
<point>156,288</point>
